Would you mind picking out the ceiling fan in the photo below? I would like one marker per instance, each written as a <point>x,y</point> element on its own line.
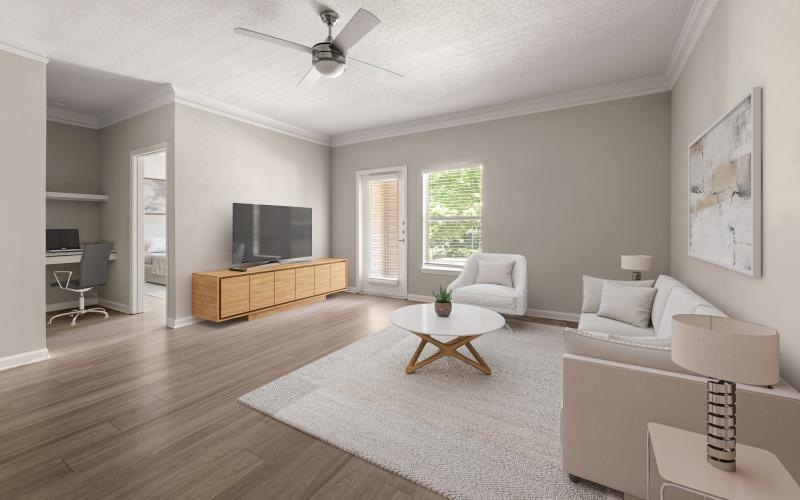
<point>329,58</point>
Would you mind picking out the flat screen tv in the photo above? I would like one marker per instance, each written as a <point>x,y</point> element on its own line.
<point>269,233</point>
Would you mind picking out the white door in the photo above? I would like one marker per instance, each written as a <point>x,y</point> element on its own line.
<point>383,232</point>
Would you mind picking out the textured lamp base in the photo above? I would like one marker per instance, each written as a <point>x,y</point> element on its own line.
<point>721,424</point>
<point>636,275</point>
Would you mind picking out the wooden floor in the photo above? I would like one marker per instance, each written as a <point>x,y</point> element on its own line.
<point>128,408</point>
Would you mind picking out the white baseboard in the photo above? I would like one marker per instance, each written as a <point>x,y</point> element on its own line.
<point>543,313</point>
<point>419,298</point>
<point>90,301</point>
<point>70,304</point>
<point>123,308</point>
<point>24,358</point>
<point>181,322</point>
<point>352,289</point>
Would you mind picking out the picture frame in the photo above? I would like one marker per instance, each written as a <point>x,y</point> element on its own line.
<point>724,189</point>
<point>154,196</point>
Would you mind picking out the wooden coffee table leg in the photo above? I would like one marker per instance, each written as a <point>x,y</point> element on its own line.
<point>411,368</point>
<point>447,349</point>
<point>483,366</point>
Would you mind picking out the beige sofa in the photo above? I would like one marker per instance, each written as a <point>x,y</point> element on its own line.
<point>616,380</point>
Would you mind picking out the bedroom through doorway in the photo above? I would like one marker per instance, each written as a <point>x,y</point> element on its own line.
<point>149,290</point>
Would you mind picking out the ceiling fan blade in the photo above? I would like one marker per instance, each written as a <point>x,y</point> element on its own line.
<point>309,79</point>
<point>361,24</point>
<point>372,69</point>
<point>272,39</point>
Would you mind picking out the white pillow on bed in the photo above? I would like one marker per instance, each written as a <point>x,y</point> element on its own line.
<point>155,244</point>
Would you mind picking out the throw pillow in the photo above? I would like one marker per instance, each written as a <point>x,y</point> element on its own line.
<point>628,304</point>
<point>155,244</point>
<point>593,288</point>
<point>495,273</point>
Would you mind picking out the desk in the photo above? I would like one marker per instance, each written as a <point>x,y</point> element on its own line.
<point>681,460</point>
<point>51,258</point>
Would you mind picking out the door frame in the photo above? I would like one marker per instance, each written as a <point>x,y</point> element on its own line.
<point>361,176</point>
<point>137,225</point>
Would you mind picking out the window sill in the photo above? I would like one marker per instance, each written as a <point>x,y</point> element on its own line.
<point>449,271</point>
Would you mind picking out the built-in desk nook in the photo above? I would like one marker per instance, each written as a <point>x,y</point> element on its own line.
<point>263,290</point>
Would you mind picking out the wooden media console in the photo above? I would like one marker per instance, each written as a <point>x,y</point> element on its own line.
<point>263,290</point>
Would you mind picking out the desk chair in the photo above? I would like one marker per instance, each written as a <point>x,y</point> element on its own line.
<point>94,272</point>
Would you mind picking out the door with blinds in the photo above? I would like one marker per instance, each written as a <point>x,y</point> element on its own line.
<point>383,233</point>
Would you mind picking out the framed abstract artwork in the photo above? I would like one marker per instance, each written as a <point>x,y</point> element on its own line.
<point>725,189</point>
<point>154,192</point>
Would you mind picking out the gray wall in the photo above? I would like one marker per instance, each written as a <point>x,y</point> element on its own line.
<point>219,161</point>
<point>73,166</point>
<point>22,203</point>
<point>570,189</point>
<point>116,143</point>
<point>745,44</point>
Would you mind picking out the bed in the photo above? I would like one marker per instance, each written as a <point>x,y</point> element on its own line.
<point>155,259</point>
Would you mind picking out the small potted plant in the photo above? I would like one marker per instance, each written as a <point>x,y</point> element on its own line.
<point>443,305</point>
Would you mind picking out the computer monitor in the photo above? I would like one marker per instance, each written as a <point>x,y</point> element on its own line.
<point>63,239</point>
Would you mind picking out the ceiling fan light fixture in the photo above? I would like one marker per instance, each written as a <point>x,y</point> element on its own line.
<point>329,61</point>
<point>329,58</point>
<point>329,68</point>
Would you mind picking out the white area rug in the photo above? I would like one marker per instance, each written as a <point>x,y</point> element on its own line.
<point>448,427</point>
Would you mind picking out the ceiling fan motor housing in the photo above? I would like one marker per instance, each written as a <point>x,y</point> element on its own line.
<point>328,60</point>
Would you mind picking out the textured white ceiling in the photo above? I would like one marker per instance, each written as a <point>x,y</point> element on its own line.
<point>455,54</point>
<point>91,91</point>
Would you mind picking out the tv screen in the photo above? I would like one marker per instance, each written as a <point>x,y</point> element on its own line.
<point>264,233</point>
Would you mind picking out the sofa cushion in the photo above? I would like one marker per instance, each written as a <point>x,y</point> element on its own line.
<point>681,301</point>
<point>629,304</point>
<point>492,272</point>
<point>645,341</point>
<point>630,350</point>
<point>594,323</point>
<point>593,290</point>
<point>486,295</point>
<point>664,284</point>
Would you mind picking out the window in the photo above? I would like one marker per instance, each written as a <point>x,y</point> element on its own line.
<point>452,216</point>
<point>382,229</point>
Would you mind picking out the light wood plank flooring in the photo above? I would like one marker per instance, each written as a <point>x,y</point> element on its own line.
<point>128,408</point>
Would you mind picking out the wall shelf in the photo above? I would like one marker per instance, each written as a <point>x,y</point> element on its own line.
<point>51,195</point>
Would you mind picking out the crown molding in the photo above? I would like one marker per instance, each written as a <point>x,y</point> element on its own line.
<point>69,117</point>
<point>25,53</point>
<point>693,27</point>
<point>146,102</point>
<point>603,93</point>
<point>211,105</point>
<point>153,99</point>
<point>166,94</point>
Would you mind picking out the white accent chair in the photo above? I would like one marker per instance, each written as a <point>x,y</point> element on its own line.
<point>503,299</point>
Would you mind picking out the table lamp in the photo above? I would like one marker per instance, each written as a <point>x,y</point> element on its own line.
<point>637,264</point>
<point>727,351</point>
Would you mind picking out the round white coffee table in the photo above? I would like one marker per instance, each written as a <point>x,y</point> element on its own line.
<point>465,323</point>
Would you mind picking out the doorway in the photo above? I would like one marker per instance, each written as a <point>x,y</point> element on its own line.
<point>149,279</point>
<point>382,231</point>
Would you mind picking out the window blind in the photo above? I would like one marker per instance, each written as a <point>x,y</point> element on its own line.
<point>383,245</point>
<point>452,203</point>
